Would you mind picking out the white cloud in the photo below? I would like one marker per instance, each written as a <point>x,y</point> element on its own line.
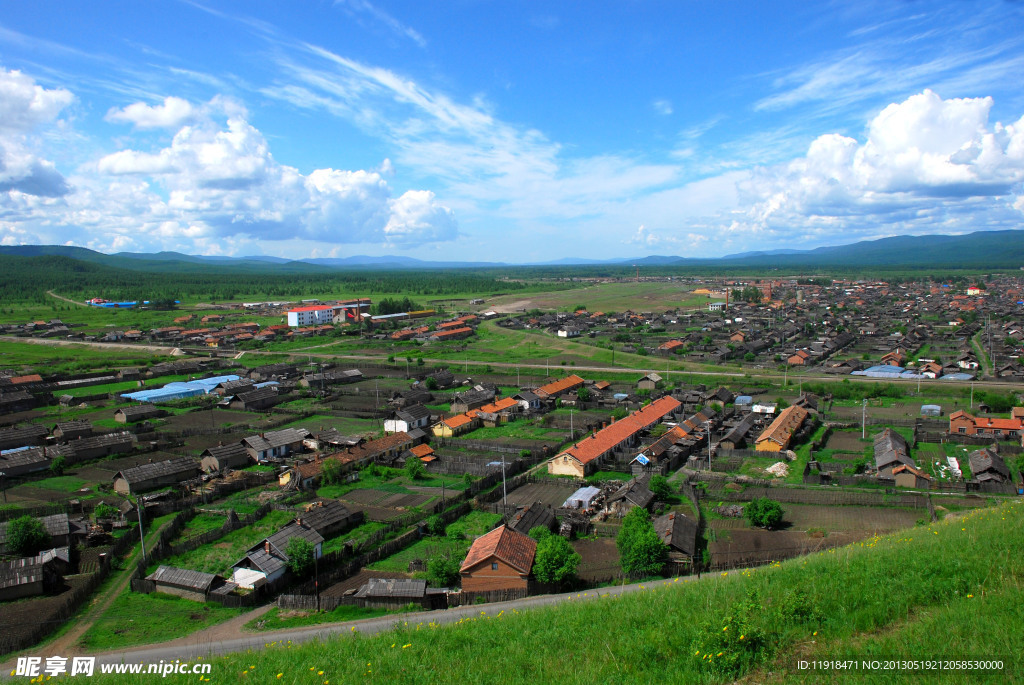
<point>663,107</point>
<point>397,27</point>
<point>25,107</point>
<point>221,180</point>
<point>171,114</point>
<point>926,164</point>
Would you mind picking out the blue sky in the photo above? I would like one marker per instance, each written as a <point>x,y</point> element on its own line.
<point>498,131</point>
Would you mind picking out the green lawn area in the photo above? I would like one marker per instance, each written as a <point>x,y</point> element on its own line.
<point>201,523</point>
<point>356,535</point>
<point>458,536</point>
<point>390,480</point>
<point>60,483</point>
<point>218,557</point>
<point>243,502</point>
<point>135,619</point>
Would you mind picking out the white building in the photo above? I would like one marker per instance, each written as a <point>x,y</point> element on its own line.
<point>313,315</point>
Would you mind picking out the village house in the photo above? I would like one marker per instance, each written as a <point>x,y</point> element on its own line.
<point>30,576</point>
<point>395,593</point>
<point>407,419</point>
<point>454,426</point>
<point>988,467</point>
<point>267,561</point>
<point>186,583</point>
<point>223,457</point>
<point>910,477</point>
<point>499,560</point>
<point>891,452</point>
<point>58,527</point>
<point>562,386</point>
<point>962,423</point>
<point>72,430</point>
<point>274,445</point>
<point>778,435</point>
<point>146,477</point>
<point>137,412</point>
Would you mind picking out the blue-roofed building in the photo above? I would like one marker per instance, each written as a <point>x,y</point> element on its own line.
<point>179,390</point>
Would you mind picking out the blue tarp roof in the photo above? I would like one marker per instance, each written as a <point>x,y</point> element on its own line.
<point>958,377</point>
<point>178,390</point>
<point>744,399</point>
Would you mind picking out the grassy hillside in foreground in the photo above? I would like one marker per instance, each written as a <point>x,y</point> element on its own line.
<point>948,590</point>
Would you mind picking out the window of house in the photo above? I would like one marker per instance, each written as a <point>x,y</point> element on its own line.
<point>961,429</point>
<point>494,566</point>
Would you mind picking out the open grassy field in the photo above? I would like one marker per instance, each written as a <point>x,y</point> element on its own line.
<point>604,297</point>
<point>752,625</point>
<point>70,357</point>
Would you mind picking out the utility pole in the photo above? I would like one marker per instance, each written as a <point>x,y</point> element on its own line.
<point>142,533</point>
<point>863,419</point>
<point>708,424</point>
<point>972,394</point>
<point>504,492</point>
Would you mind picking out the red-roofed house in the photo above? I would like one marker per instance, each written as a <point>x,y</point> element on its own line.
<point>456,425</point>
<point>559,387</point>
<point>963,423</point>
<point>584,456</point>
<point>499,560</point>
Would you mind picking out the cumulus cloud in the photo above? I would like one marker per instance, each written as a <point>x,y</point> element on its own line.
<point>171,114</point>
<point>220,179</point>
<point>924,160</point>
<point>25,106</point>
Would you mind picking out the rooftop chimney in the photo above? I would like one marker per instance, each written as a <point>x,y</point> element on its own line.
<point>266,546</point>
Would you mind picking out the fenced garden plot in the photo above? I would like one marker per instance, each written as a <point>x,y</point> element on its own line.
<point>552,493</point>
<point>218,557</point>
<point>599,560</point>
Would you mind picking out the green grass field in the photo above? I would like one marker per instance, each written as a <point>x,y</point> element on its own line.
<point>135,619</point>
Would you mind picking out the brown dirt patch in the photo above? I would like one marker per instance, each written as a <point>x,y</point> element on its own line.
<point>599,560</point>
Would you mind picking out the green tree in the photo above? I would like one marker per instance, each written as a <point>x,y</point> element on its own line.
<point>661,488</point>
<point>641,551</point>
<point>330,473</point>
<point>539,533</point>
<point>57,466</point>
<point>556,561</point>
<point>443,571</point>
<point>763,513</point>
<point>431,383</point>
<point>26,536</point>
<point>583,394</point>
<point>300,553</point>
<point>414,468</point>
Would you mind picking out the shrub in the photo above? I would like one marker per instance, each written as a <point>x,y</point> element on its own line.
<point>414,468</point>
<point>26,536</point>
<point>105,511</point>
<point>763,513</point>
<point>57,466</point>
<point>661,488</point>
<point>300,556</point>
<point>443,571</point>
<point>331,472</point>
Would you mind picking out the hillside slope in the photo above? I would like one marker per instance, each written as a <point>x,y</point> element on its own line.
<point>947,590</point>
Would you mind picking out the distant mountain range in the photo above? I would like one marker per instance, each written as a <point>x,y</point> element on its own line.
<point>983,249</point>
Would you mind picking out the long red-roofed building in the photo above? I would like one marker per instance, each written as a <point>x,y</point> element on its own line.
<point>563,385</point>
<point>584,456</point>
